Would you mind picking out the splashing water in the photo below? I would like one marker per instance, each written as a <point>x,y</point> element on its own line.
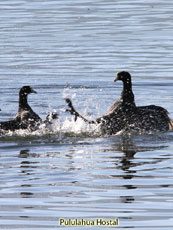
<point>66,126</point>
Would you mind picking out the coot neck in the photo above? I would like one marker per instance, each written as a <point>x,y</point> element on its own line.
<point>127,94</point>
<point>23,103</point>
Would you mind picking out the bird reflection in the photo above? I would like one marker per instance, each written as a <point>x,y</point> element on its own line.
<point>127,199</point>
<point>24,153</point>
<point>128,146</point>
<point>26,166</point>
<point>26,194</point>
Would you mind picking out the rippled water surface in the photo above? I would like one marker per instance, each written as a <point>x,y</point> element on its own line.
<point>73,49</point>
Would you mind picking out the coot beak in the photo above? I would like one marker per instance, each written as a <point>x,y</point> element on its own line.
<point>33,91</point>
<point>117,77</point>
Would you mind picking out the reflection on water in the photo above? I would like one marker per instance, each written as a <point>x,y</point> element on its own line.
<point>89,180</point>
<point>73,49</point>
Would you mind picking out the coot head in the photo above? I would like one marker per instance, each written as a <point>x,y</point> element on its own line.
<point>25,90</point>
<point>123,76</point>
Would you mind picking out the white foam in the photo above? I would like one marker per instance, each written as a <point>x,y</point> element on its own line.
<point>58,127</point>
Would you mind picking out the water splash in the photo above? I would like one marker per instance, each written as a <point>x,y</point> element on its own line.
<point>59,127</point>
<point>67,127</point>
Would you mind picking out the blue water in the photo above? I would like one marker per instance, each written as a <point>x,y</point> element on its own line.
<point>74,49</point>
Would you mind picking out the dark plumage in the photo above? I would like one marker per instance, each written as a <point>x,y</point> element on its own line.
<point>74,112</point>
<point>125,115</point>
<point>146,118</point>
<point>110,123</point>
<point>26,118</point>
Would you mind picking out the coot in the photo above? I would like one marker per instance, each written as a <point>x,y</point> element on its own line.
<point>26,118</point>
